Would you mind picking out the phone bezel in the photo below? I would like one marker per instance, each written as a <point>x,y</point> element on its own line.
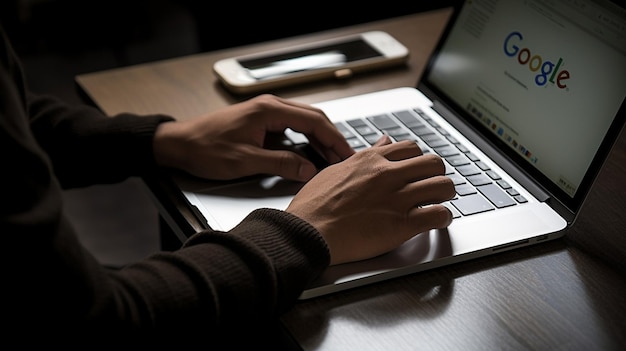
<point>236,79</point>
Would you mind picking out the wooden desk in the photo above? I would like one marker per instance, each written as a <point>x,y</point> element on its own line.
<point>567,294</point>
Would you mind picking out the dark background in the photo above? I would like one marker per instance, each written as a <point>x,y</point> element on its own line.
<point>59,39</point>
<point>73,26</point>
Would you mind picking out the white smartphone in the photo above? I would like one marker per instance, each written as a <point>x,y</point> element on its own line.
<point>339,57</point>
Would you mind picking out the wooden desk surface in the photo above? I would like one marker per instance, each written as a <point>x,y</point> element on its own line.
<point>566,295</point>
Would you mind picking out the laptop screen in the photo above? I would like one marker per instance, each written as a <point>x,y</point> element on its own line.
<point>545,79</point>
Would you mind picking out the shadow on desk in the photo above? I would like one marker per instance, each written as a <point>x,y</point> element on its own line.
<point>462,306</point>
<point>599,230</point>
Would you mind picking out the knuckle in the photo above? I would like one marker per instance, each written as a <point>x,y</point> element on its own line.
<point>264,102</point>
<point>379,171</point>
<point>286,164</point>
<point>265,98</point>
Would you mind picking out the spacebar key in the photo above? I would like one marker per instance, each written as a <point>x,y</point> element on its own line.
<point>472,204</point>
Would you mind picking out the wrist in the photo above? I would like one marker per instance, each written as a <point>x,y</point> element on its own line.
<point>165,144</point>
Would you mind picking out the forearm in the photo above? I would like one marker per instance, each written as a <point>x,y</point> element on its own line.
<point>87,147</point>
<point>224,281</point>
<point>216,281</point>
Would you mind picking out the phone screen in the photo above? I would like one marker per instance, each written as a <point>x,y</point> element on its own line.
<point>309,59</point>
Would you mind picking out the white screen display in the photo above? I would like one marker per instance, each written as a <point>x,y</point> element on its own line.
<point>541,75</point>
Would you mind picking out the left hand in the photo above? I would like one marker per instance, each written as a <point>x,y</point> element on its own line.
<point>229,143</point>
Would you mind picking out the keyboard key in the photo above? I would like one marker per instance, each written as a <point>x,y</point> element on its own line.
<point>406,136</point>
<point>455,212</point>
<point>356,143</point>
<point>443,132</point>
<point>449,169</point>
<point>383,122</point>
<point>433,123</point>
<point>479,179</point>
<point>372,138</point>
<point>471,204</point>
<point>446,151</point>
<point>465,189</point>
<point>408,119</point>
<point>422,114</point>
<point>451,139</point>
<point>462,148</point>
<point>496,195</point>
<point>482,165</point>
<point>471,156</point>
<point>396,132</point>
<point>458,160</point>
<point>433,140</point>
<point>456,178</point>
<point>520,199</point>
<point>512,192</point>
<point>356,122</point>
<point>493,175</point>
<point>503,184</point>
<point>347,133</point>
<point>421,130</point>
<point>468,170</point>
<point>365,130</point>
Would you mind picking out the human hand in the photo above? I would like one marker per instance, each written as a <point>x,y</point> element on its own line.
<point>231,143</point>
<point>375,200</point>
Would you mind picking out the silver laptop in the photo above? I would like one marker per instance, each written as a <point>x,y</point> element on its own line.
<point>523,99</point>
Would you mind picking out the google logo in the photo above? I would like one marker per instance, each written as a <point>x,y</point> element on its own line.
<point>549,72</point>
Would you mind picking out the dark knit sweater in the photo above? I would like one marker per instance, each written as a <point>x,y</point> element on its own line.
<point>218,283</point>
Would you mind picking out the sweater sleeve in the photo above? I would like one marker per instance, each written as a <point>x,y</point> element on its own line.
<point>223,281</point>
<point>86,147</point>
<point>214,285</point>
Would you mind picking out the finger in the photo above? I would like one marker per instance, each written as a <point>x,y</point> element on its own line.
<point>429,217</point>
<point>418,168</point>
<point>426,192</point>
<point>384,139</point>
<point>286,164</point>
<point>401,150</point>
<point>297,104</point>
<point>313,123</point>
<point>329,154</point>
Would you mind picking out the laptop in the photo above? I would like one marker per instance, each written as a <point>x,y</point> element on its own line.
<point>523,99</point>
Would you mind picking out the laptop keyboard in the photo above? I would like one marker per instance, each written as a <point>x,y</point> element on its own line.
<point>478,188</point>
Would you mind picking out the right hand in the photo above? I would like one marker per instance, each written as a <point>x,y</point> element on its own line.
<point>375,200</point>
